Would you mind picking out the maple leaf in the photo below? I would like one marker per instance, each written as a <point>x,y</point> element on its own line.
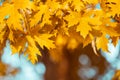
<point>84,23</point>
<point>87,40</point>
<point>38,16</point>
<point>78,5</point>
<point>44,13</point>
<point>84,27</point>
<point>12,10</point>
<point>109,30</point>
<point>73,18</point>
<point>32,49</point>
<point>111,7</point>
<point>43,40</point>
<point>14,16</point>
<point>53,5</point>
<point>101,43</point>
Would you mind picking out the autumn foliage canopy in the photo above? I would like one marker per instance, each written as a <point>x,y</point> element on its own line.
<point>29,25</point>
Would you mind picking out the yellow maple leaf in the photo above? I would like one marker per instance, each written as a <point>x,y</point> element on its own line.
<point>53,5</point>
<point>84,27</point>
<point>78,5</point>
<point>111,7</point>
<point>32,49</point>
<point>87,40</point>
<point>11,10</point>
<point>13,20</point>
<point>38,16</point>
<point>85,22</point>
<point>43,40</point>
<point>73,18</point>
<point>42,16</point>
<point>110,30</point>
<point>101,43</point>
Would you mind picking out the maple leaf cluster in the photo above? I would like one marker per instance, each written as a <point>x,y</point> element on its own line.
<point>29,24</point>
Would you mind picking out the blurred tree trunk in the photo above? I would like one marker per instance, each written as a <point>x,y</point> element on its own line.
<point>67,68</point>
